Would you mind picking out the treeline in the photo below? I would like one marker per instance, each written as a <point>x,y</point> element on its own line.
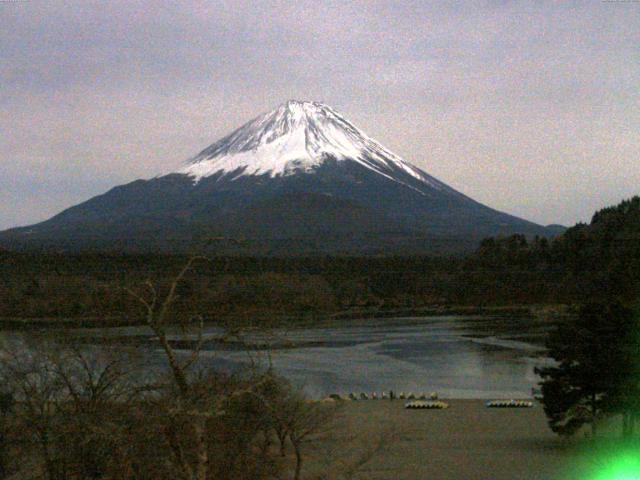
<point>600,258</point>
<point>94,286</point>
<point>57,285</point>
<point>595,266</point>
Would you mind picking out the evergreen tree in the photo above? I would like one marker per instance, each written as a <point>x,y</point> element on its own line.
<point>596,356</point>
<point>624,397</point>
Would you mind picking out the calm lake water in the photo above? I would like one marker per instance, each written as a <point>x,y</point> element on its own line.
<point>458,357</point>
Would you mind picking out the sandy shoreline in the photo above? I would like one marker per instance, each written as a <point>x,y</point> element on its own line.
<point>465,441</point>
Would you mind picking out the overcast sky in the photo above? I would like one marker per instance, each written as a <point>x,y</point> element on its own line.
<point>530,107</point>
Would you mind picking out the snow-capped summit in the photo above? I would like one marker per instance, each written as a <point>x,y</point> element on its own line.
<point>298,136</point>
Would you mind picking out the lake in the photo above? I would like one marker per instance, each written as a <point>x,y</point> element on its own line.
<point>455,356</point>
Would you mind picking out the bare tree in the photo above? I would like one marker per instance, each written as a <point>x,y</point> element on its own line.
<point>99,390</point>
<point>94,377</point>
<point>33,382</point>
<point>157,312</point>
<point>304,421</point>
<point>69,397</point>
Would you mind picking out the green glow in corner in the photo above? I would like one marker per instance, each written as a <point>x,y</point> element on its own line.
<point>623,467</point>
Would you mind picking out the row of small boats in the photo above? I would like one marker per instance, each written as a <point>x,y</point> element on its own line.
<point>420,404</point>
<point>509,404</point>
<point>428,405</point>
<point>424,401</point>
<point>385,396</point>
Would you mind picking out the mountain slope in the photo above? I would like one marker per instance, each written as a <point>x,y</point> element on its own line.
<point>298,179</point>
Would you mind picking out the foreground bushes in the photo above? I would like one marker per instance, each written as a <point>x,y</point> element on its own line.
<point>75,412</point>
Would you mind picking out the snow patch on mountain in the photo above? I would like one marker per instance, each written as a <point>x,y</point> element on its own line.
<point>298,137</point>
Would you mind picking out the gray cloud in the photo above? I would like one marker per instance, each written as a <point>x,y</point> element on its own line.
<point>530,107</point>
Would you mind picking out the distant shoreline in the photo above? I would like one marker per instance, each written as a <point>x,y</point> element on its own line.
<point>300,320</point>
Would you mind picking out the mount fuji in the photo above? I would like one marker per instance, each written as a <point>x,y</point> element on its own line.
<point>300,179</point>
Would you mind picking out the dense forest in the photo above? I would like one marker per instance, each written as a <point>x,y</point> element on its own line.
<point>601,258</point>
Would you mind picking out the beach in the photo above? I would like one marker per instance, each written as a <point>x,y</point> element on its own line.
<point>465,441</point>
